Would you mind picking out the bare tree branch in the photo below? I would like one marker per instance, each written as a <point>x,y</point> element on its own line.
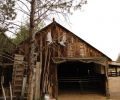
<point>25,4</point>
<point>23,11</point>
<point>11,32</point>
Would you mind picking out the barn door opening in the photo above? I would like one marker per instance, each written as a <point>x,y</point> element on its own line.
<point>78,77</point>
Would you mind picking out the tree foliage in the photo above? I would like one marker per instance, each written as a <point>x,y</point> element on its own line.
<point>5,44</point>
<point>23,33</point>
<point>7,13</point>
<point>7,10</point>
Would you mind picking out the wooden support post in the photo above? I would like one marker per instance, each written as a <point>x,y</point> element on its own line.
<point>23,87</point>
<point>3,91</point>
<point>56,83</point>
<point>107,81</point>
<point>11,97</point>
<point>41,58</point>
<point>48,71</point>
<point>44,71</point>
<point>116,70</point>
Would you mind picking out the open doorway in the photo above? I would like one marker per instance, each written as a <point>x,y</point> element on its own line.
<point>79,77</point>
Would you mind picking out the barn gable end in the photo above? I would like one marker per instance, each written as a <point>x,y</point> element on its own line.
<point>74,46</point>
<point>61,51</point>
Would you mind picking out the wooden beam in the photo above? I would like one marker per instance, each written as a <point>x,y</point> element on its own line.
<point>3,90</point>
<point>107,81</point>
<point>6,64</point>
<point>23,87</point>
<point>11,96</point>
<point>56,83</point>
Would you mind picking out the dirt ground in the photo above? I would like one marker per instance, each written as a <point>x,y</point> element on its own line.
<point>114,86</point>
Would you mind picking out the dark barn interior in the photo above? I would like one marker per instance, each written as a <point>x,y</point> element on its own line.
<point>5,78</point>
<point>76,76</point>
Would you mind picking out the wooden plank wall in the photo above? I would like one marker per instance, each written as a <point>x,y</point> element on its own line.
<point>74,47</point>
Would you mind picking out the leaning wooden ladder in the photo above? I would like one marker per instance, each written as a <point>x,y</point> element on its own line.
<point>18,72</point>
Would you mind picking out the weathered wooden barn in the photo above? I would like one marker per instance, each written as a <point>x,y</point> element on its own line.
<point>68,63</point>
<point>114,69</point>
<point>6,63</point>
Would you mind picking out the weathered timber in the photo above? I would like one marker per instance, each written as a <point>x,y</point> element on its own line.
<point>64,48</point>
<point>3,91</point>
<point>11,95</point>
<point>18,73</point>
<point>23,87</point>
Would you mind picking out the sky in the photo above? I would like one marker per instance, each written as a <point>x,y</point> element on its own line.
<point>97,23</point>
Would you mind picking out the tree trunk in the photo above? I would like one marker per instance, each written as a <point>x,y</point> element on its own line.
<point>37,81</point>
<point>31,54</point>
